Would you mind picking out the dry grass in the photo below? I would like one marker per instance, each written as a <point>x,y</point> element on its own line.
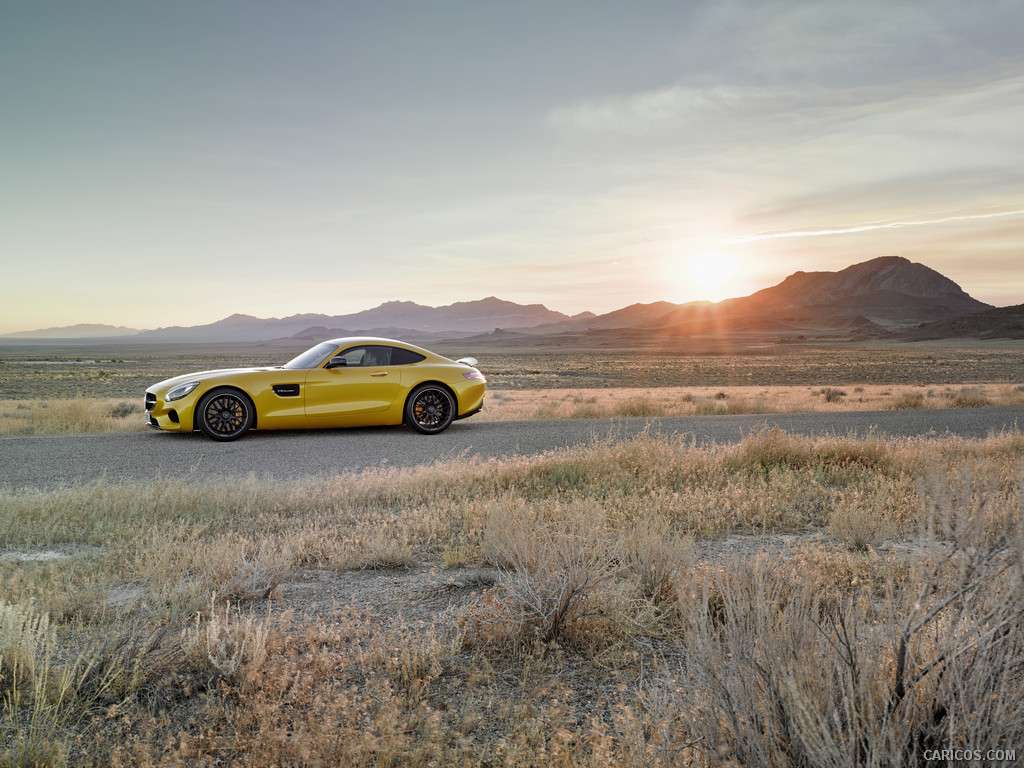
<point>25,639</point>
<point>77,415</point>
<point>516,405</point>
<point>83,415</point>
<point>618,627</point>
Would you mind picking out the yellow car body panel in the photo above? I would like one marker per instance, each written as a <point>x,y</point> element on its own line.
<point>361,394</point>
<point>332,394</point>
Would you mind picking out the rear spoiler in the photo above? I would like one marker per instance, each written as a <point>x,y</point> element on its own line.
<point>470,361</point>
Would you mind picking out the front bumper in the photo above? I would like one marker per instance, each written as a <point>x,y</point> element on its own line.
<point>175,416</point>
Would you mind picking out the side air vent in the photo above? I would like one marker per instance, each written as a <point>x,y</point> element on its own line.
<point>286,390</point>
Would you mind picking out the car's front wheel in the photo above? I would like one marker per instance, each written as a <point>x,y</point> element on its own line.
<point>224,414</point>
<point>430,409</point>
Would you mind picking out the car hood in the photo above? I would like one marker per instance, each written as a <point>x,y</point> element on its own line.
<point>217,375</point>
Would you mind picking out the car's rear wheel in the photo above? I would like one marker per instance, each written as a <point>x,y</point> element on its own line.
<point>430,409</point>
<point>224,414</point>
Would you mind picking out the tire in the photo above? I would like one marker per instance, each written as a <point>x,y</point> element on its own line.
<point>224,414</point>
<point>430,409</point>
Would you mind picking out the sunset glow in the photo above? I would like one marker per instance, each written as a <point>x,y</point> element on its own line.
<point>712,272</point>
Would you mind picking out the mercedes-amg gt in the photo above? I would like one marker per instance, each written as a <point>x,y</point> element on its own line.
<point>350,382</point>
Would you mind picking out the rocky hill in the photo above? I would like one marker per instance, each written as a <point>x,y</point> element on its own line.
<point>998,323</point>
<point>887,293</point>
<point>886,275</point>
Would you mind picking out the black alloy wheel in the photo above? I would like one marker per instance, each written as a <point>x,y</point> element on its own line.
<point>430,409</point>
<point>224,414</point>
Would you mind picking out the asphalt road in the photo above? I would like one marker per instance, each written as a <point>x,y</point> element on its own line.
<point>52,460</point>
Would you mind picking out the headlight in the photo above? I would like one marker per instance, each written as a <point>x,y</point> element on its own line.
<point>180,391</point>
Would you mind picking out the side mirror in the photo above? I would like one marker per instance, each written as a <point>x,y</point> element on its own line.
<point>337,362</point>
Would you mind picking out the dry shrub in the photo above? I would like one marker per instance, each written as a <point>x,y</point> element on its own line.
<point>639,406</point>
<point>784,672</point>
<point>724,406</point>
<point>350,691</point>
<point>124,410</point>
<point>831,394</point>
<point>708,407</point>
<point>227,644</point>
<point>367,544</point>
<point>1012,395</point>
<point>849,573</point>
<point>255,574</point>
<point>971,397</point>
<point>588,411</point>
<point>457,555</point>
<point>738,405</point>
<point>907,401</point>
<point>153,666</point>
<point>362,538</point>
<point>860,520</point>
<point>411,658</point>
<point>773,448</point>
<point>971,499</point>
<point>141,664</point>
<point>185,569</point>
<point>382,549</point>
<point>544,413</point>
<point>652,554</point>
<point>551,562</point>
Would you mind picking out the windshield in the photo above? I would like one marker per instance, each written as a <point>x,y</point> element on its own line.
<point>311,358</point>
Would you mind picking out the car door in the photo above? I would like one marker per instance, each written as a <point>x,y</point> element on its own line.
<point>365,383</point>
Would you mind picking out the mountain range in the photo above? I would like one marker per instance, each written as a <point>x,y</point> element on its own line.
<point>886,296</point>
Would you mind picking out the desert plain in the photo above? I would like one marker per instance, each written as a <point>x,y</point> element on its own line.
<point>781,601</point>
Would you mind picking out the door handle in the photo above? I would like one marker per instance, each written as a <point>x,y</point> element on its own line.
<point>380,373</point>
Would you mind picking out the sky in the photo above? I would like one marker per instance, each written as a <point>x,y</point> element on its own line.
<point>172,163</point>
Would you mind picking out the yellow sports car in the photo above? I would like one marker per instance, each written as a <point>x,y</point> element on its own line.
<point>351,382</point>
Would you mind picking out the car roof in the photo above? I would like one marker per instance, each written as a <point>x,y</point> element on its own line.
<point>364,340</point>
<point>347,340</point>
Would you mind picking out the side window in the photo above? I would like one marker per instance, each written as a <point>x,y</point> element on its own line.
<point>367,356</point>
<point>404,356</point>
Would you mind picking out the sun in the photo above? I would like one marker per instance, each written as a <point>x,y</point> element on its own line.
<point>711,271</point>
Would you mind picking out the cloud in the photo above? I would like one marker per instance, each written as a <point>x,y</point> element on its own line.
<point>664,109</point>
<point>866,227</point>
<point>739,64</point>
